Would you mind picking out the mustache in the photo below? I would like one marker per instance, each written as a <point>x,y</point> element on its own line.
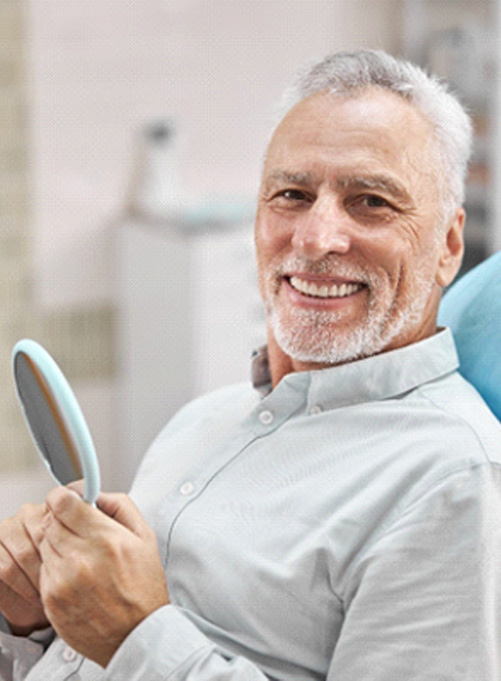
<point>327,266</point>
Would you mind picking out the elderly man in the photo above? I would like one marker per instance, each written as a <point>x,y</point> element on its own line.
<point>339,519</point>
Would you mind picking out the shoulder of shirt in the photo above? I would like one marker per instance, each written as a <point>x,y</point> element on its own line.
<point>207,404</point>
<point>220,396</point>
<point>464,408</point>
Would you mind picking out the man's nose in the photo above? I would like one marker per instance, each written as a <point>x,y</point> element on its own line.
<point>322,230</point>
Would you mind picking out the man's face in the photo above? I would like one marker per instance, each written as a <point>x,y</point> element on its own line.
<point>350,246</point>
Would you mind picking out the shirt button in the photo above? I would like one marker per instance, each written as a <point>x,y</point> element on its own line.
<point>266,417</point>
<point>315,409</point>
<point>69,655</point>
<point>187,488</point>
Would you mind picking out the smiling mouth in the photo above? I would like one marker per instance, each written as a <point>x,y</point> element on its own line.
<point>321,290</point>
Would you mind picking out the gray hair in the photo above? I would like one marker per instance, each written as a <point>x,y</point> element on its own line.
<point>349,73</point>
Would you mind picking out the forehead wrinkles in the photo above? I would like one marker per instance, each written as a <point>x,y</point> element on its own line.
<point>364,164</point>
<point>379,123</point>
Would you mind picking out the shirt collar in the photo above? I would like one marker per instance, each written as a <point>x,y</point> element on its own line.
<point>379,377</point>
<point>260,370</point>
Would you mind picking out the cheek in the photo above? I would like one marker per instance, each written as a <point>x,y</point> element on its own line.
<point>413,275</point>
<point>271,237</point>
<point>385,254</point>
<point>401,251</point>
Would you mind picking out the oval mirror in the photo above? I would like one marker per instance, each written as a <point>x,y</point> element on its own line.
<point>54,418</point>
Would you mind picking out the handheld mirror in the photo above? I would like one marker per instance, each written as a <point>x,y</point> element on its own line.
<point>54,418</point>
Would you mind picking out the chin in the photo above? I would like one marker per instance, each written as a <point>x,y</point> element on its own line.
<point>317,340</point>
<point>325,346</point>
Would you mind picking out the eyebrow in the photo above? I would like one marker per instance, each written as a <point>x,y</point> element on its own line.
<point>380,182</point>
<point>290,178</point>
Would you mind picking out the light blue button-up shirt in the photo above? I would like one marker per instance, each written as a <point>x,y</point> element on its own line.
<point>344,526</point>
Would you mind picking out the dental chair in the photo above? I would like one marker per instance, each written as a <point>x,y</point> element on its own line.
<point>472,309</point>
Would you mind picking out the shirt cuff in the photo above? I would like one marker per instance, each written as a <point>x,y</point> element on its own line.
<point>164,643</point>
<point>19,653</point>
<point>42,636</point>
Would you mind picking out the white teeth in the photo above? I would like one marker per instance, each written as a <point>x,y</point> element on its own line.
<point>324,291</point>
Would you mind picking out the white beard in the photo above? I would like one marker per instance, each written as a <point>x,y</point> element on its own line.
<point>311,335</point>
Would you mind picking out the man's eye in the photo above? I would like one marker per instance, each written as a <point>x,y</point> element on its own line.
<point>374,201</point>
<point>292,195</point>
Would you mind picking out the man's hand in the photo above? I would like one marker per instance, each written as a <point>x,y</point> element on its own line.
<point>101,571</point>
<point>20,563</point>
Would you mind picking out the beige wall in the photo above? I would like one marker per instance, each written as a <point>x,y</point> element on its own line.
<point>97,70</point>
<point>21,473</point>
<point>15,243</point>
<point>77,78</point>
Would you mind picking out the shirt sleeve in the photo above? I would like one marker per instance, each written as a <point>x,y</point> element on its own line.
<point>424,602</point>
<point>18,653</point>
<point>167,645</point>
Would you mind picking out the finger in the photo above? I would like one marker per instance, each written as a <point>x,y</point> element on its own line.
<point>85,520</point>
<point>35,532</point>
<point>27,558</point>
<point>123,510</point>
<point>15,578</point>
<point>77,486</point>
<point>60,538</point>
<point>16,539</point>
<point>34,525</point>
<point>68,507</point>
<point>50,557</point>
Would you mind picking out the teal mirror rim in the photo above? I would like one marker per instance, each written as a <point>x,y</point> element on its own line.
<point>69,411</point>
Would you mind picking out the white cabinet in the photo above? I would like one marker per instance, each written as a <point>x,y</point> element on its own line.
<point>189,317</point>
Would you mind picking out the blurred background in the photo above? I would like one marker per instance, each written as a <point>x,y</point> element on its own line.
<point>131,139</point>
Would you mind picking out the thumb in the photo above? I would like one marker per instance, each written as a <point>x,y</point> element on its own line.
<point>77,486</point>
<point>123,510</point>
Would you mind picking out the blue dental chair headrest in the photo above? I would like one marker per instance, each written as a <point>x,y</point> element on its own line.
<point>472,309</point>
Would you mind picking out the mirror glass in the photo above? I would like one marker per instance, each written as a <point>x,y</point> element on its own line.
<point>54,418</point>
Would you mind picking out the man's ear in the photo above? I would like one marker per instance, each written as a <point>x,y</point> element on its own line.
<point>452,250</point>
